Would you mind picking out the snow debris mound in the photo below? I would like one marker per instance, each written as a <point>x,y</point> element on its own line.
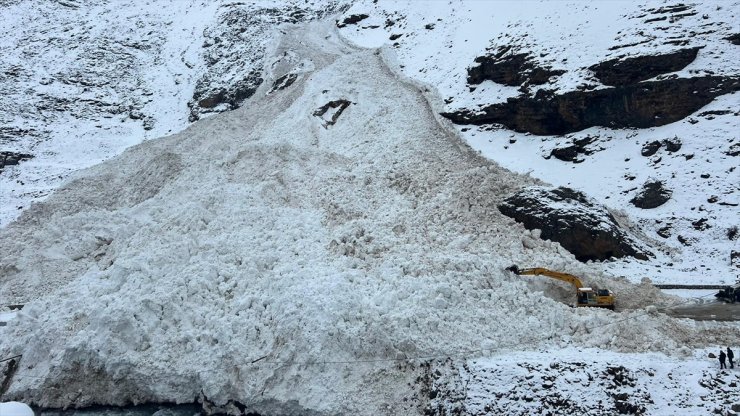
<point>261,258</point>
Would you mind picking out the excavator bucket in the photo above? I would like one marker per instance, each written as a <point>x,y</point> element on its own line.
<point>513,268</point>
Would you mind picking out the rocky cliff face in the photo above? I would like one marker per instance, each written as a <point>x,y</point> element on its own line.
<point>641,105</point>
<point>234,52</point>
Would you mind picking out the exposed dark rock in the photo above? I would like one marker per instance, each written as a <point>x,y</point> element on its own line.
<point>352,19</point>
<point>566,154</point>
<point>573,152</point>
<point>701,224</point>
<point>509,68</point>
<point>642,105</point>
<point>734,150</point>
<point>665,232</point>
<point>205,98</point>
<point>11,134</point>
<point>340,105</point>
<point>566,216</point>
<point>284,82</point>
<point>674,8</point>
<point>429,26</point>
<point>672,145</point>
<point>12,158</point>
<point>628,71</point>
<point>395,36</point>
<point>735,38</point>
<point>652,195</point>
<point>650,148</point>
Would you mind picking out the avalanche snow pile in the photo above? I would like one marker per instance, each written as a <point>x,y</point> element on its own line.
<point>264,258</point>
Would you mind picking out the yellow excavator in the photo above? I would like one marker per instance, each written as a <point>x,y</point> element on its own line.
<point>585,296</point>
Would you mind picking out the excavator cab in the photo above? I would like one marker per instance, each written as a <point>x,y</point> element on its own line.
<point>600,298</point>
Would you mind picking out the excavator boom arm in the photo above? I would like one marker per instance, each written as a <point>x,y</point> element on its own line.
<point>537,271</point>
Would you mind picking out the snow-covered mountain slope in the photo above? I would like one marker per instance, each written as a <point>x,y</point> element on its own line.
<point>80,81</point>
<point>309,252</point>
<point>694,234</point>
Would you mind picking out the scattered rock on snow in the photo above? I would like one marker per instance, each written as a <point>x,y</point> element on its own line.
<point>652,195</point>
<point>650,148</point>
<point>572,152</point>
<point>568,217</point>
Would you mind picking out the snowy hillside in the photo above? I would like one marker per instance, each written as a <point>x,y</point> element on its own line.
<point>694,234</point>
<point>301,229</point>
<point>81,81</point>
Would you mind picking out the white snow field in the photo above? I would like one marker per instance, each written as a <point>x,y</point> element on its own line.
<point>266,258</point>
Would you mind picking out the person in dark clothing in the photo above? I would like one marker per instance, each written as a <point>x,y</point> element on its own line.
<point>722,360</point>
<point>730,357</point>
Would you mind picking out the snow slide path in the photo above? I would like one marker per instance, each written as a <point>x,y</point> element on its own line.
<point>231,260</point>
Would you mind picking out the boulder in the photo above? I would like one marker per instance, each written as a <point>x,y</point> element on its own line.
<point>572,152</point>
<point>568,217</point>
<point>652,195</point>
<point>650,148</point>
<point>626,71</point>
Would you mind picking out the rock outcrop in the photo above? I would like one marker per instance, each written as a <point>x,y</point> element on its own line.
<point>574,151</point>
<point>652,195</point>
<point>626,71</point>
<point>568,217</point>
<point>12,158</point>
<point>352,20</point>
<point>234,53</point>
<point>509,68</point>
<point>642,105</point>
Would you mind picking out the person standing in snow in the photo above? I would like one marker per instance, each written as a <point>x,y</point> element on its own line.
<point>730,357</point>
<point>722,359</point>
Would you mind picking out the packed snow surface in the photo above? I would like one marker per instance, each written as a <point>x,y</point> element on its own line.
<point>263,256</point>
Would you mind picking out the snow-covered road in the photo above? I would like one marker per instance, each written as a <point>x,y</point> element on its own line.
<point>268,257</point>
